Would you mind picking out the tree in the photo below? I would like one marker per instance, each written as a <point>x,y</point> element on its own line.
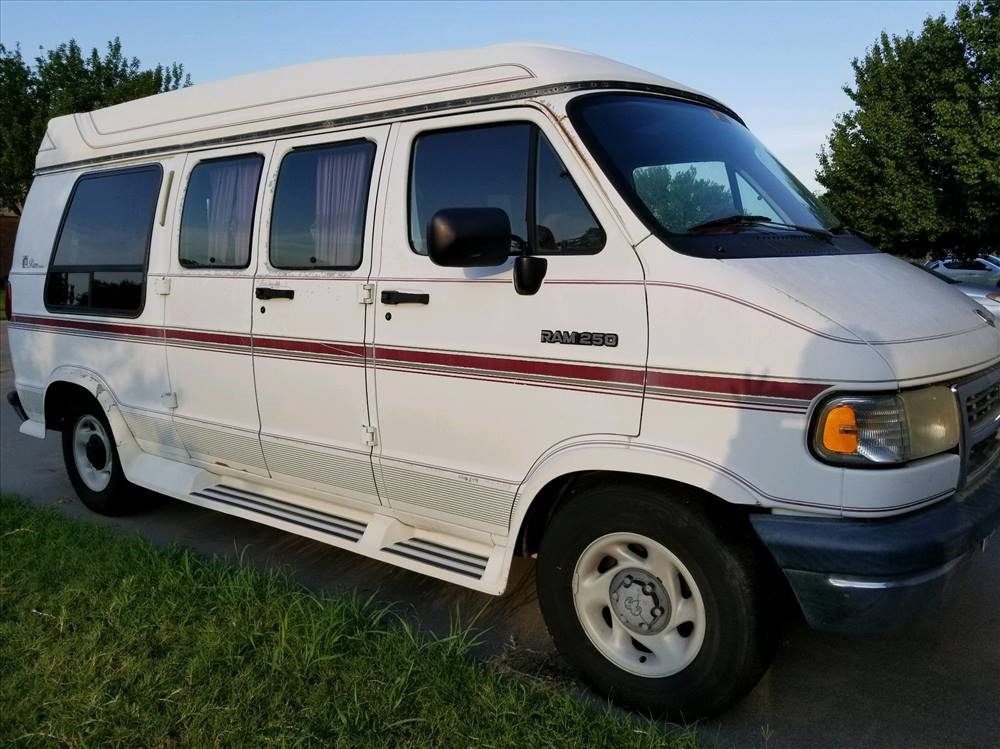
<point>916,162</point>
<point>680,198</point>
<point>63,81</point>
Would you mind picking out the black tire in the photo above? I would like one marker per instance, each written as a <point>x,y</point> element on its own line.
<point>736,630</point>
<point>119,496</point>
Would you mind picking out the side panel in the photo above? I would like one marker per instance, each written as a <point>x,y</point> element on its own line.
<point>468,394</point>
<point>33,349</point>
<point>736,369</point>
<point>125,353</point>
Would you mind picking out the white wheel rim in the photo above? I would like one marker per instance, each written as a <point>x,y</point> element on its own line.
<point>627,630</point>
<point>91,445</point>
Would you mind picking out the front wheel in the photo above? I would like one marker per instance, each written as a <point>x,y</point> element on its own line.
<point>657,603</point>
<point>93,465</point>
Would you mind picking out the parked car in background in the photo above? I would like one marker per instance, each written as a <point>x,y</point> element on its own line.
<point>980,270</point>
<point>987,296</point>
<point>984,295</point>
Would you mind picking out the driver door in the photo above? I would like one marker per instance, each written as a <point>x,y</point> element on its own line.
<point>472,385</point>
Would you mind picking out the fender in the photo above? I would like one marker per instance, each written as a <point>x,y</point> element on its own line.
<point>607,452</point>
<point>93,383</point>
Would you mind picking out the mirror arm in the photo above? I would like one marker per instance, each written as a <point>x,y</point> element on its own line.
<point>529,272</point>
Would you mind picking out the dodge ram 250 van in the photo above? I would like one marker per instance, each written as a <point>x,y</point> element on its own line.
<point>449,308</point>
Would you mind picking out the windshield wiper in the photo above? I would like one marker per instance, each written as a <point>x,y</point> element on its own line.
<point>740,219</point>
<point>844,229</point>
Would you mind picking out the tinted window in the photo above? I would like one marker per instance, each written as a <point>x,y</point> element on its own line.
<point>686,193</point>
<point>565,222</point>
<point>491,167</point>
<point>478,167</point>
<point>109,220</point>
<point>99,262</point>
<point>101,290</point>
<point>632,134</point>
<point>753,202</point>
<point>217,221</point>
<point>319,207</point>
<point>656,152</point>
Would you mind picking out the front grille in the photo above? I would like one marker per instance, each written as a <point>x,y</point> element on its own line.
<point>980,446</point>
<point>982,457</point>
<point>983,406</point>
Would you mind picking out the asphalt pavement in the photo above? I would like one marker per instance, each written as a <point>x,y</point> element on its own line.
<point>936,684</point>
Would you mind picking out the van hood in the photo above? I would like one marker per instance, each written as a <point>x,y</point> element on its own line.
<point>921,326</point>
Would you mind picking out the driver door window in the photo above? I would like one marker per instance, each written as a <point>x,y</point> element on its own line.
<point>490,166</point>
<point>477,167</point>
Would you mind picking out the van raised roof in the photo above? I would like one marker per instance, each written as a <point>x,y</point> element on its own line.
<point>333,92</point>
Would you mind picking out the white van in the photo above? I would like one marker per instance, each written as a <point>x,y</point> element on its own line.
<point>449,308</point>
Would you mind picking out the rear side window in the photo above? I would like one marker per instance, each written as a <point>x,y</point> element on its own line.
<point>320,202</point>
<point>511,166</point>
<point>99,262</point>
<point>217,220</point>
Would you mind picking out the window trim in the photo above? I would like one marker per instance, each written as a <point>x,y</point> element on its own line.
<point>372,182</point>
<point>144,268</point>
<point>253,213</point>
<point>531,196</point>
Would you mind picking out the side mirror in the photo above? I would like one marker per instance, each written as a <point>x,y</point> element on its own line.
<point>469,237</point>
<point>529,272</point>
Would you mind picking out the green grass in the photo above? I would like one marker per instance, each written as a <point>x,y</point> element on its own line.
<point>3,300</point>
<point>108,641</point>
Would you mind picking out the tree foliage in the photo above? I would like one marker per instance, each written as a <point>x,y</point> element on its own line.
<point>63,81</point>
<point>916,162</point>
<point>679,198</point>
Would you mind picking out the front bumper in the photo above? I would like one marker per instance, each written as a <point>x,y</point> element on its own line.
<point>861,576</point>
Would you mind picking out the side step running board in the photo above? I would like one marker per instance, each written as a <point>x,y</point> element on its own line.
<point>377,535</point>
<point>443,557</point>
<point>349,530</point>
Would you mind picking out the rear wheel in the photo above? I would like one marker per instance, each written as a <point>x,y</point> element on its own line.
<point>92,463</point>
<point>656,603</point>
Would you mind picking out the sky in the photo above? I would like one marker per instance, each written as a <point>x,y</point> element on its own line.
<point>780,65</point>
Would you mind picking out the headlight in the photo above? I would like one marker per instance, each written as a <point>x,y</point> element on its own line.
<point>886,429</point>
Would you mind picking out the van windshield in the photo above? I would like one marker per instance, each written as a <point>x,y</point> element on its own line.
<point>702,181</point>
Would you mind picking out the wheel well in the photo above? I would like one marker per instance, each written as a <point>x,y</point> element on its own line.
<point>60,397</point>
<point>561,490</point>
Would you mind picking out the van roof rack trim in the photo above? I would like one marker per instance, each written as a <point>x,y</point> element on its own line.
<point>370,117</point>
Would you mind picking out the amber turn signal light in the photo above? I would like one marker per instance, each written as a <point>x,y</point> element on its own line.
<point>840,431</point>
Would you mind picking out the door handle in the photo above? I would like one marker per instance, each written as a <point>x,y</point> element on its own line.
<point>403,297</point>
<point>265,293</point>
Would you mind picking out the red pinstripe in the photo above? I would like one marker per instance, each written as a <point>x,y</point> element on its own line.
<point>496,366</point>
